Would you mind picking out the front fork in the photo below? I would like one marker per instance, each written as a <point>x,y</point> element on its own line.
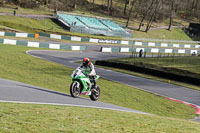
<point>77,87</point>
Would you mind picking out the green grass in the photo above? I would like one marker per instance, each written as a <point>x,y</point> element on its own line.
<point>20,118</point>
<point>174,34</point>
<point>30,25</point>
<point>10,9</point>
<point>16,65</point>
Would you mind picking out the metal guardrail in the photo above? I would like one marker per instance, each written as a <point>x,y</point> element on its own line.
<point>160,40</point>
<point>43,44</point>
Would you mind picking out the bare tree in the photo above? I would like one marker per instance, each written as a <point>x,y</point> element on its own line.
<point>171,15</point>
<point>129,16</point>
<point>153,14</point>
<point>110,9</point>
<point>145,14</point>
<point>1,2</point>
<point>138,9</point>
<point>125,6</point>
<point>46,2</point>
<point>108,4</point>
<point>193,5</point>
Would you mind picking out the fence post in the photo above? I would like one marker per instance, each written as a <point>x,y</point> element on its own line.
<point>145,54</point>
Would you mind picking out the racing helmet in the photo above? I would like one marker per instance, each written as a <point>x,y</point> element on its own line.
<point>86,62</point>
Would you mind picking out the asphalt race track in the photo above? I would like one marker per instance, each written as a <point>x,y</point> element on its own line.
<point>160,88</point>
<point>11,91</point>
<point>16,92</point>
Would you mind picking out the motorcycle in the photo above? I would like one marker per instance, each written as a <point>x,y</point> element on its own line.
<point>81,85</point>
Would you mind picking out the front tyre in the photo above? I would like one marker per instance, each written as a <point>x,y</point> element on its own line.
<point>95,94</point>
<point>75,89</point>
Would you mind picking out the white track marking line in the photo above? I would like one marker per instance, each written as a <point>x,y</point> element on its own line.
<point>85,106</point>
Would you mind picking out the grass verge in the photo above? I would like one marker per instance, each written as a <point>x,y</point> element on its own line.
<point>30,25</point>
<point>10,9</point>
<point>47,118</point>
<point>174,34</point>
<point>16,65</point>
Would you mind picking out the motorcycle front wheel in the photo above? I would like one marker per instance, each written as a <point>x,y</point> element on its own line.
<point>74,89</point>
<point>95,94</point>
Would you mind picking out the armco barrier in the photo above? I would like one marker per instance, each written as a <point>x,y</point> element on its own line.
<point>150,50</point>
<point>94,40</point>
<point>42,45</point>
<point>17,34</point>
<point>124,42</point>
<point>153,70</point>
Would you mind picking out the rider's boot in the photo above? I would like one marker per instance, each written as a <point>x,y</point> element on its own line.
<point>95,83</point>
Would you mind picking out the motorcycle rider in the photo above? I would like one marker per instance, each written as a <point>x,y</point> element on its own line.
<point>88,66</point>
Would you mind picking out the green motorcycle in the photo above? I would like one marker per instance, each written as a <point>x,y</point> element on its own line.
<point>81,85</point>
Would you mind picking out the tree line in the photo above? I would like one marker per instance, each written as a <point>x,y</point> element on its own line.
<point>144,11</point>
<point>149,11</point>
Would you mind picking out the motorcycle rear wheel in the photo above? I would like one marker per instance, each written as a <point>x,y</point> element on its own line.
<point>74,90</point>
<point>95,94</point>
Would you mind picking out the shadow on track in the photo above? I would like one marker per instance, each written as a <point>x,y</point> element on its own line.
<point>50,91</point>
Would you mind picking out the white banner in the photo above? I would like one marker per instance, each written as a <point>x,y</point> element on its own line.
<point>151,44</point>
<point>168,50</point>
<point>94,40</point>
<point>106,49</point>
<point>21,34</point>
<point>124,50</point>
<point>187,46</point>
<point>138,49</point>
<point>197,46</point>
<point>155,50</point>
<point>194,51</point>
<point>181,51</point>
<point>138,43</point>
<point>54,46</point>
<point>76,47</point>
<point>124,42</point>
<point>9,41</point>
<point>108,41</point>
<point>55,36</point>
<point>75,38</point>
<point>176,45</point>
<point>2,33</point>
<point>164,45</point>
<point>33,44</point>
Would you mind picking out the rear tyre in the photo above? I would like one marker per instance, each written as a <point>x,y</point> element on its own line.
<point>95,94</point>
<point>74,89</point>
